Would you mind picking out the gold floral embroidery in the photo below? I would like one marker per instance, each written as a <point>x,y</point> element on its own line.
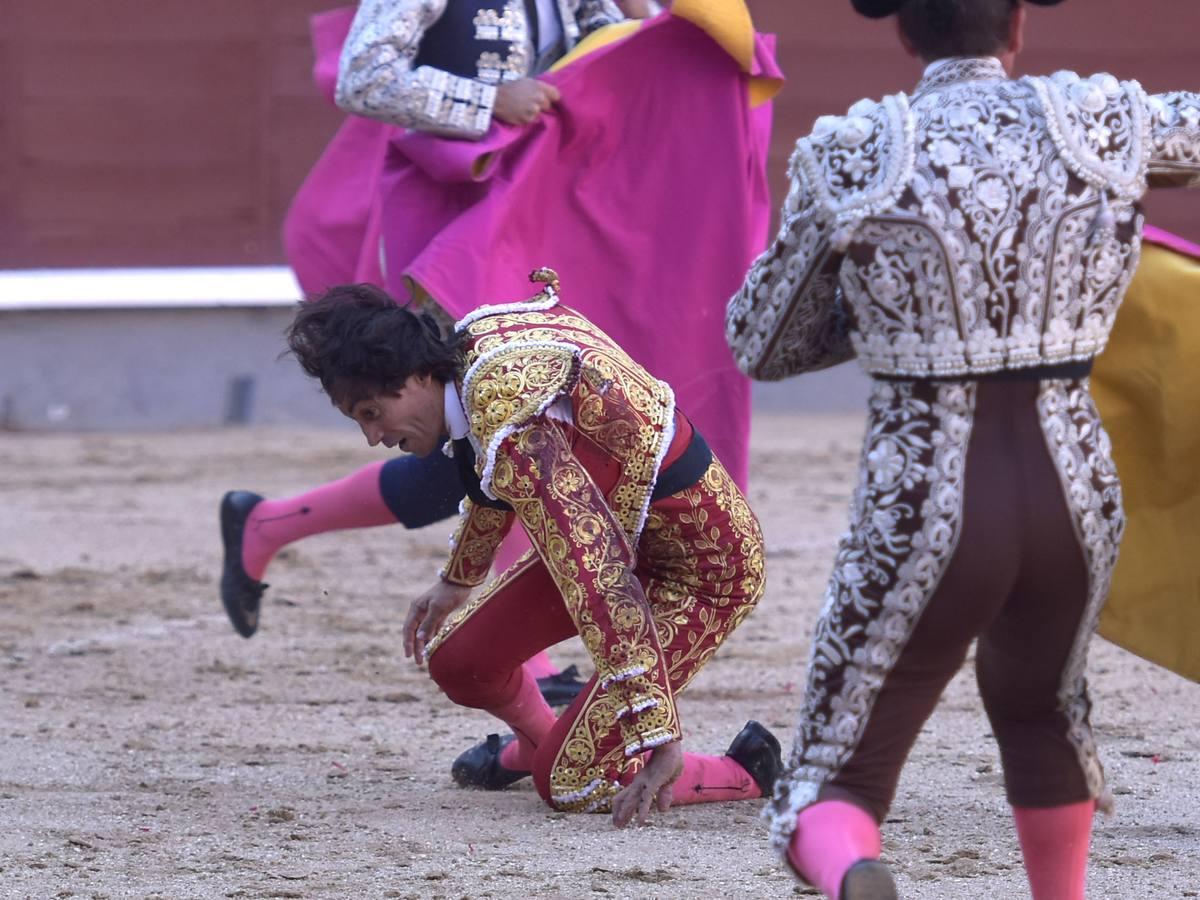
<point>513,383</point>
<point>473,546</point>
<point>616,403</point>
<point>702,563</point>
<point>649,619</point>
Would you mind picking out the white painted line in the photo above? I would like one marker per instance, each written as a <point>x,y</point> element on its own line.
<point>166,288</point>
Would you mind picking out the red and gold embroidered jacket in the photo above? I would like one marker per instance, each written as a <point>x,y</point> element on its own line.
<point>539,378</point>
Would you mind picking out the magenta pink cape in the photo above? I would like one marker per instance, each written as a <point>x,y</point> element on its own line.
<point>331,231</point>
<point>644,188</point>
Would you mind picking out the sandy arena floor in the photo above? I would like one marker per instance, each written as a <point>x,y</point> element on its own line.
<point>150,752</point>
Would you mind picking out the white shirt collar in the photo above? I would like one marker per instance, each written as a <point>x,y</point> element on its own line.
<point>549,27</point>
<point>456,416</point>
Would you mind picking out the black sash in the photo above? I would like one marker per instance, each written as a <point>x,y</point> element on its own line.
<point>464,456</point>
<point>681,474</point>
<point>685,471</point>
<point>1067,370</point>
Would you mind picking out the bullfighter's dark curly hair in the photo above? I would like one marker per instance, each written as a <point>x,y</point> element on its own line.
<point>359,343</point>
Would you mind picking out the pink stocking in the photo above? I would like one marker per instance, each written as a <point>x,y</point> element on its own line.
<point>350,502</point>
<point>540,666</point>
<point>510,550</point>
<point>1054,842</point>
<point>830,837</point>
<point>530,718</point>
<point>707,779</point>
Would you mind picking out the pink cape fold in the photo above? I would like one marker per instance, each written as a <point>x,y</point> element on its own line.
<point>1171,241</point>
<point>645,188</point>
<point>331,230</point>
<point>328,31</point>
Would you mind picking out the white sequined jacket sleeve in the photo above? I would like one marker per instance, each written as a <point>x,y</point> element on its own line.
<point>377,78</point>
<point>1175,141</point>
<point>789,316</point>
<point>588,15</point>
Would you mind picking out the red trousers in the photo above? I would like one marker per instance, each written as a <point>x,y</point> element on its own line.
<point>700,562</point>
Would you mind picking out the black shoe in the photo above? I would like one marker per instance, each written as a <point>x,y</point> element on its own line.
<point>240,593</point>
<point>757,751</point>
<point>563,688</point>
<point>868,879</point>
<point>480,766</point>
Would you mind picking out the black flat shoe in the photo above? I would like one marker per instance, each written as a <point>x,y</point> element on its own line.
<point>757,751</point>
<point>240,593</point>
<point>480,766</point>
<point>868,879</point>
<point>563,688</point>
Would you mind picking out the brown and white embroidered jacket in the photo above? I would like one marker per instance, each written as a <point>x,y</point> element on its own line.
<point>980,224</point>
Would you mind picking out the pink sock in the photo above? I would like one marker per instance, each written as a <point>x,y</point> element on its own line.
<point>530,718</point>
<point>707,779</point>
<point>540,666</point>
<point>1054,842</point>
<point>510,550</point>
<point>513,547</point>
<point>830,837</point>
<point>350,502</point>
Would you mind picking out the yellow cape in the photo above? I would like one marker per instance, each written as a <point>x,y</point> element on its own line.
<point>1147,385</point>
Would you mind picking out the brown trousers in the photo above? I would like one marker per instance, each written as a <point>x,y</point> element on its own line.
<point>986,510</point>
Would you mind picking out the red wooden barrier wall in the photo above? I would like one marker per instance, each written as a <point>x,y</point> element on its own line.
<point>172,132</point>
<point>153,132</point>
